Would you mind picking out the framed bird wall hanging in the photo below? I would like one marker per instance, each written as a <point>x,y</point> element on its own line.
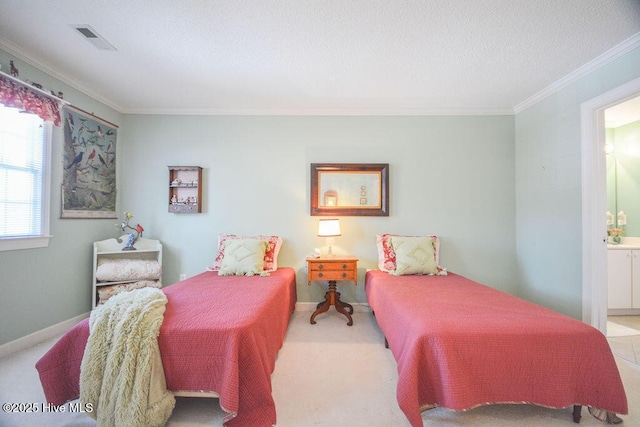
<point>89,168</point>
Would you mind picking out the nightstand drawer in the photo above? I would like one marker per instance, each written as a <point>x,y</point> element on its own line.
<point>332,275</point>
<point>333,270</point>
<point>340,266</point>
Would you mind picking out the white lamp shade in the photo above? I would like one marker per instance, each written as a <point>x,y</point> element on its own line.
<point>329,228</point>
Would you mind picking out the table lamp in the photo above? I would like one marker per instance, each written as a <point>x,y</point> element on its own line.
<point>329,228</point>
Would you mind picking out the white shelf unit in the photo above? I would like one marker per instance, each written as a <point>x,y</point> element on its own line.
<point>111,248</point>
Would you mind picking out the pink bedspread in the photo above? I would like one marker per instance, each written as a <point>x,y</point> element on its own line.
<point>459,344</point>
<point>220,334</point>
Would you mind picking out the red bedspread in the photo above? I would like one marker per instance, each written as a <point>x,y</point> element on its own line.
<point>220,334</point>
<point>459,344</point>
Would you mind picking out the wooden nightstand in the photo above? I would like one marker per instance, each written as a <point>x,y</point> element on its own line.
<point>333,269</point>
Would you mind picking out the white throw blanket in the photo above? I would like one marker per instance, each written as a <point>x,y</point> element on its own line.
<point>121,373</point>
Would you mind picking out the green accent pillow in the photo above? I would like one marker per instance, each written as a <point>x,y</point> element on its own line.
<point>414,255</point>
<point>243,257</point>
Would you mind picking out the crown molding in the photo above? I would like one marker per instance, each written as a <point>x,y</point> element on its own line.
<point>609,56</point>
<point>323,112</point>
<point>19,53</point>
<point>602,60</point>
<point>24,56</point>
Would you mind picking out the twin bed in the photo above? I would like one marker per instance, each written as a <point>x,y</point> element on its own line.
<point>219,338</point>
<point>458,344</point>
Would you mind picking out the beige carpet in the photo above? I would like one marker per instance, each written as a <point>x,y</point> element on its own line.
<point>328,374</point>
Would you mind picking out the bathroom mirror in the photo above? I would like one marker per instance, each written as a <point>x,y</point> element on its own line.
<point>623,164</point>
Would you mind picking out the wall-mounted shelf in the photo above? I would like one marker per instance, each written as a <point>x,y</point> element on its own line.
<point>185,189</point>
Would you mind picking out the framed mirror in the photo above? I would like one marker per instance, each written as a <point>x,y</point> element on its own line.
<point>349,189</point>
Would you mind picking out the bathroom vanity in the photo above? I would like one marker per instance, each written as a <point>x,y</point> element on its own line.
<point>623,283</point>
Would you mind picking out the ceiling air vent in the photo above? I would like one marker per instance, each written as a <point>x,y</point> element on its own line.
<point>90,35</point>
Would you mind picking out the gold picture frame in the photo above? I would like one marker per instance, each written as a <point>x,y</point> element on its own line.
<point>349,189</point>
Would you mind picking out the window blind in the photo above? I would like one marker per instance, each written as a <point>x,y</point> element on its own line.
<point>22,163</point>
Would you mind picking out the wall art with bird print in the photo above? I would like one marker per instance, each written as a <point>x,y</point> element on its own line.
<point>89,172</point>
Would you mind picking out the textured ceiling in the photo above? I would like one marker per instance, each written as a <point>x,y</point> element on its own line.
<point>316,57</point>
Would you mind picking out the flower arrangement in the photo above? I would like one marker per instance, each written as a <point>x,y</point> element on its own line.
<point>132,238</point>
<point>615,233</point>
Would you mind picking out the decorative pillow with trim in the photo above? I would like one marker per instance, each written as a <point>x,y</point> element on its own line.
<point>414,255</point>
<point>387,255</point>
<point>243,257</point>
<point>270,257</point>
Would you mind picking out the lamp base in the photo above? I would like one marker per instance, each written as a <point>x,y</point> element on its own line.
<point>329,244</point>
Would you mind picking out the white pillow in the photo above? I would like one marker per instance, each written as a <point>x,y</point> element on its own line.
<point>243,257</point>
<point>270,255</point>
<point>414,255</point>
<point>387,256</point>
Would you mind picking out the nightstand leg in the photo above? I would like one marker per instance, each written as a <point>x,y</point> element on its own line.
<point>333,298</point>
<point>322,307</point>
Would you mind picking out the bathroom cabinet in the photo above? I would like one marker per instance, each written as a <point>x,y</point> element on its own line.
<point>623,285</point>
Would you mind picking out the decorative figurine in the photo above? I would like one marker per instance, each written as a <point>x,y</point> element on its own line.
<point>176,182</point>
<point>13,69</point>
<point>132,239</point>
<point>174,199</point>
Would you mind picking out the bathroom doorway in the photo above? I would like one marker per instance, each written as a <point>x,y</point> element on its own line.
<point>594,202</point>
<point>622,150</point>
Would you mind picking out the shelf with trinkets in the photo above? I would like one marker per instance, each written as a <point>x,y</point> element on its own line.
<point>185,189</point>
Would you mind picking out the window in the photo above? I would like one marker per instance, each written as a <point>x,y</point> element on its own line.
<point>25,160</point>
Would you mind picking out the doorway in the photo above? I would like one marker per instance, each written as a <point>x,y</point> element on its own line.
<point>594,202</point>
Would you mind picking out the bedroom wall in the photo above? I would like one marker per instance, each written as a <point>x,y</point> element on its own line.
<point>42,287</point>
<point>548,188</point>
<point>452,176</point>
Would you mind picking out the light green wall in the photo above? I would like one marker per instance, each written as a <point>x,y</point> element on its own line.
<point>626,182</point>
<point>452,176</point>
<point>502,192</point>
<point>548,188</point>
<point>42,287</point>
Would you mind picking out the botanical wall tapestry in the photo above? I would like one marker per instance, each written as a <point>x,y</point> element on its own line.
<point>89,168</point>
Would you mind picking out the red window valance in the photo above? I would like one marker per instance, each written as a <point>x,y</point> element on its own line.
<point>16,95</point>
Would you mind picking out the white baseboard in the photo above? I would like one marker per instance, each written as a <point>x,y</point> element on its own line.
<point>358,307</point>
<point>39,336</point>
<point>623,312</point>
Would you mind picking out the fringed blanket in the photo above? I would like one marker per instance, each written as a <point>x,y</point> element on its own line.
<point>220,334</point>
<point>121,374</point>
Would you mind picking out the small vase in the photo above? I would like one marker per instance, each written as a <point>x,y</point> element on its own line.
<point>616,239</point>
